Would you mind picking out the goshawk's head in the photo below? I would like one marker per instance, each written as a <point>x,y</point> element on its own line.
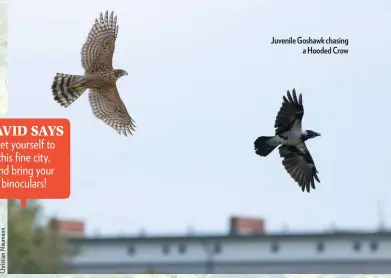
<point>120,72</point>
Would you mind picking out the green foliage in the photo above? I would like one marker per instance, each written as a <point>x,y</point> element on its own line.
<point>32,248</point>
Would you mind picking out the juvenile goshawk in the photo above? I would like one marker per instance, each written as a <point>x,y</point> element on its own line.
<point>100,77</point>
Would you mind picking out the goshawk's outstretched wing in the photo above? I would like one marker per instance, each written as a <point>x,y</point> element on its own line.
<point>290,114</point>
<point>299,164</point>
<point>108,106</point>
<point>97,52</point>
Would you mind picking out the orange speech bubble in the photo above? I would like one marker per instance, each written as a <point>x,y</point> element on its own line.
<point>35,159</point>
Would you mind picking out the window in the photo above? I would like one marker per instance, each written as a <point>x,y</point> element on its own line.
<point>374,246</point>
<point>73,250</point>
<point>356,246</point>
<point>275,247</point>
<point>165,249</point>
<point>320,247</point>
<point>217,248</point>
<point>131,250</point>
<point>182,248</point>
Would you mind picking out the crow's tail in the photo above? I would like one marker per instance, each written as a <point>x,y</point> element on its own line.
<point>264,145</point>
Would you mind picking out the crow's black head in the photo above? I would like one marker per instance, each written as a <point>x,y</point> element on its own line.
<point>309,134</point>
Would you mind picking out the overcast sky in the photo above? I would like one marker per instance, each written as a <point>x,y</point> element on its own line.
<point>204,82</point>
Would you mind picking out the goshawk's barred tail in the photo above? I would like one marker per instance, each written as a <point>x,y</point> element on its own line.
<point>66,88</point>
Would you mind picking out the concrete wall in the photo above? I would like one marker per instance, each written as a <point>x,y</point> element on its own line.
<point>347,267</point>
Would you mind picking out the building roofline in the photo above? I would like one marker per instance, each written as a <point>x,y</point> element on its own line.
<point>318,235</point>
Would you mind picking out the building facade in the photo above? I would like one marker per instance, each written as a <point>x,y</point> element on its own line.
<point>338,252</point>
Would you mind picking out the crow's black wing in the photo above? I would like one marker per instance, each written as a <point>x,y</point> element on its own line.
<point>299,164</point>
<point>290,114</point>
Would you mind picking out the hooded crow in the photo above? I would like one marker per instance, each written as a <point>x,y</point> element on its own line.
<point>291,138</point>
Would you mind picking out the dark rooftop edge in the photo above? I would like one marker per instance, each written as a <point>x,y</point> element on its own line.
<point>151,238</point>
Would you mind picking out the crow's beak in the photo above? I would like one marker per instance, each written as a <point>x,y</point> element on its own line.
<point>318,134</point>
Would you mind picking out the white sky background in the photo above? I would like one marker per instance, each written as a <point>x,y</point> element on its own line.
<point>204,82</point>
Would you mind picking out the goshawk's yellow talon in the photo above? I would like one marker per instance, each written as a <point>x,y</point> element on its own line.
<point>76,86</point>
